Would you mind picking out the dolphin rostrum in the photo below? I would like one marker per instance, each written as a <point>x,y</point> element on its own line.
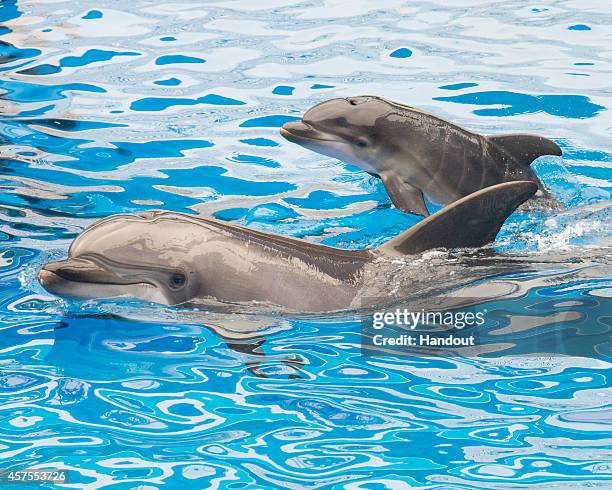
<point>416,153</point>
<point>179,259</point>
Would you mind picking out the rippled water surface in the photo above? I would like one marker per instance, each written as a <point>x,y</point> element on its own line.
<point>111,107</point>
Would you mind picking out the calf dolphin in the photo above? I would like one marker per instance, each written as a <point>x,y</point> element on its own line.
<point>179,259</point>
<point>416,153</point>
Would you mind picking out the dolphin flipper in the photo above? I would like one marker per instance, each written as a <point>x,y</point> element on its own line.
<point>525,148</point>
<point>472,221</point>
<point>403,195</point>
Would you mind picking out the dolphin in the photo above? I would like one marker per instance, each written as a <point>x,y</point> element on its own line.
<point>416,153</point>
<point>174,258</point>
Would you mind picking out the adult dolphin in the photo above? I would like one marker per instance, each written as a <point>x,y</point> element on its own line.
<point>416,153</point>
<point>174,258</point>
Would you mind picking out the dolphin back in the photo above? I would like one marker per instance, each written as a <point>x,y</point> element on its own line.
<point>472,221</point>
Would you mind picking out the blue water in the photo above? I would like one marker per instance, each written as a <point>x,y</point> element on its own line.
<point>111,107</point>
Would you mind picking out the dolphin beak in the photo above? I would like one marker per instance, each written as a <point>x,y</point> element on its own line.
<point>300,131</point>
<point>55,275</point>
<point>78,270</point>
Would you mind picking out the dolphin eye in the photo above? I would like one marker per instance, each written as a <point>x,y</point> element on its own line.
<point>361,143</point>
<point>177,280</point>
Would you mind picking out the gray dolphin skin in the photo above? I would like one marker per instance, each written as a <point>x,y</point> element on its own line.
<point>179,259</point>
<point>416,153</point>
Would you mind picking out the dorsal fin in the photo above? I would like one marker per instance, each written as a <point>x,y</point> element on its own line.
<point>525,148</point>
<point>472,221</point>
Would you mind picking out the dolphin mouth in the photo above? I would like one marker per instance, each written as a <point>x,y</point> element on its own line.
<point>82,270</point>
<point>298,131</point>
